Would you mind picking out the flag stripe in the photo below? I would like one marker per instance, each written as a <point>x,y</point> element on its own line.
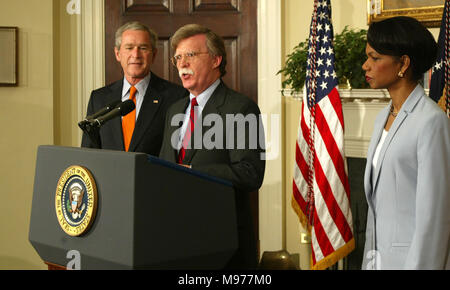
<point>335,100</point>
<point>319,151</point>
<point>333,207</point>
<point>299,182</point>
<point>324,243</point>
<point>333,149</point>
<point>319,144</point>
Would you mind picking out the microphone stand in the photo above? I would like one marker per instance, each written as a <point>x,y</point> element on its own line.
<point>92,130</point>
<point>92,126</point>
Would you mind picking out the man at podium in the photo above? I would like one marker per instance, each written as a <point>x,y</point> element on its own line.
<point>216,130</point>
<point>142,129</point>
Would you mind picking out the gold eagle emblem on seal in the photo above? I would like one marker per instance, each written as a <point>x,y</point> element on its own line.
<point>76,200</point>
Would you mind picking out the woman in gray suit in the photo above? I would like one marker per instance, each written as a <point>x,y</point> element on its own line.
<point>407,177</point>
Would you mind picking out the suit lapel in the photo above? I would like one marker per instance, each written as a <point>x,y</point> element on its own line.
<point>177,108</point>
<point>406,109</point>
<point>377,131</point>
<point>392,131</point>
<point>212,107</point>
<point>150,105</point>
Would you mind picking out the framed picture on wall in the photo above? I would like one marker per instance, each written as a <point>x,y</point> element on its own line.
<point>429,12</point>
<point>9,56</point>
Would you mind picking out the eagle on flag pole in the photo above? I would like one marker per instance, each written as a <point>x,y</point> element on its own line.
<point>321,191</point>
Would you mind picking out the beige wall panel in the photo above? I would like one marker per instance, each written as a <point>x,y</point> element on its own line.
<point>26,113</point>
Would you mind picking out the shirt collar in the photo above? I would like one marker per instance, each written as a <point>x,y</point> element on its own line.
<point>141,86</point>
<point>203,98</point>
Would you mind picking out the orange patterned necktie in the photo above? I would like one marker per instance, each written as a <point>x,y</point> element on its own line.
<point>128,121</point>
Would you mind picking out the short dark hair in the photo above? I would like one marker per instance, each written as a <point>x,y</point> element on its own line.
<point>403,35</point>
<point>214,42</point>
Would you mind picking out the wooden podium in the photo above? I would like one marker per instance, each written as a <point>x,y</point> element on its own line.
<point>54,266</point>
<point>150,214</point>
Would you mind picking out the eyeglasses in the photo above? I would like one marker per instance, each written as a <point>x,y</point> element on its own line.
<point>188,55</point>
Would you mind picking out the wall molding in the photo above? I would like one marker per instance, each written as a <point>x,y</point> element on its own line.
<point>91,53</point>
<point>271,194</point>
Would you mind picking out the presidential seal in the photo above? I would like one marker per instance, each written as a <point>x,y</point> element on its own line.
<point>76,200</point>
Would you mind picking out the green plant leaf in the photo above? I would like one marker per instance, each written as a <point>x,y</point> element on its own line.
<point>349,50</point>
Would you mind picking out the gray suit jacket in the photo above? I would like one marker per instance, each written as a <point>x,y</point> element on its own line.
<point>244,168</point>
<point>408,221</point>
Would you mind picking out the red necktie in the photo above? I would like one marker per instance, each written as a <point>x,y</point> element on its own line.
<point>189,132</point>
<point>128,121</point>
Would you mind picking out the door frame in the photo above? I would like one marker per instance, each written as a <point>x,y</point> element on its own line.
<point>91,75</point>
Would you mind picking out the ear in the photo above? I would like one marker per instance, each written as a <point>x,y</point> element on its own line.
<point>405,63</point>
<point>217,60</point>
<point>117,54</point>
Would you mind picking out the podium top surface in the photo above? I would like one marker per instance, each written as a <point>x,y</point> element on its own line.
<point>156,160</point>
<point>151,159</point>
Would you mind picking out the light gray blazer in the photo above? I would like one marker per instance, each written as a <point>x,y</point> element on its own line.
<point>408,220</point>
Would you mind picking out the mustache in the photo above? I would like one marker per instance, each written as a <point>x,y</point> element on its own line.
<point>186,71</point>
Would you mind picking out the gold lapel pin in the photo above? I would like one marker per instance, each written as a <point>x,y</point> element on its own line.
<point>155,101</point>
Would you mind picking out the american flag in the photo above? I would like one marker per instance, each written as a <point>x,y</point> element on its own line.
<point>321,192</point>
<point>440,77</point>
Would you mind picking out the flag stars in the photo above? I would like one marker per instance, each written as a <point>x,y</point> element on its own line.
<point>322,16</point>
<point>438,65</point>
<point>319,62</point>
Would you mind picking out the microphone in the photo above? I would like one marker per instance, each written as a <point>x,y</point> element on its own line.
<point>106,109</point>
<point>122,109</point>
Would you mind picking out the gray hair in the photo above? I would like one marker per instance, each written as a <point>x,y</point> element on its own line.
<point>135,25</point>
<point>214,42</point>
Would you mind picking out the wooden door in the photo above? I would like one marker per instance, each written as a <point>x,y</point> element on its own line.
<point>233,20</point>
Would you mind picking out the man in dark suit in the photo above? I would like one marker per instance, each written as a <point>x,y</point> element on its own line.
<point>135,49</point>
<point>220,133</point>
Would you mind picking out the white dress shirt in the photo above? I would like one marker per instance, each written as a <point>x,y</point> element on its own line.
<point>141,88</point>
<point>202,99</point>
<point>377,151</point>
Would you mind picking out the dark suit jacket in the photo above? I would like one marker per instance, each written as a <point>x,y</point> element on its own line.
<point>244,168</point>
<point>148,132</point>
